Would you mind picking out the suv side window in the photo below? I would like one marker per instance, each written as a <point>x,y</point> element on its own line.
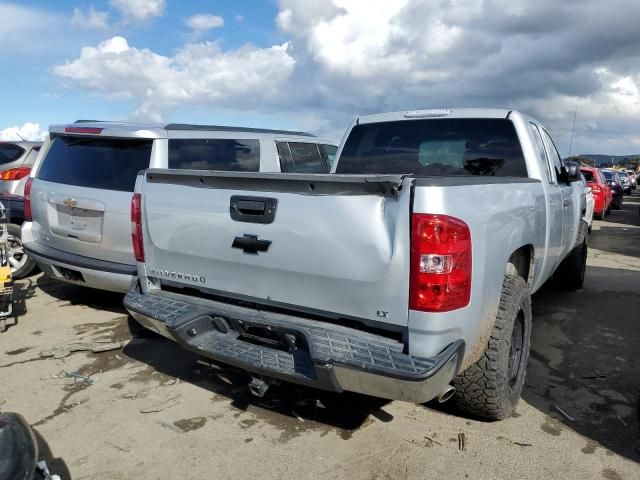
<point>541,151</point>
<point>306,158</point>
<point>553,153</point>
<point>221,154</point>
<point>299,157</point>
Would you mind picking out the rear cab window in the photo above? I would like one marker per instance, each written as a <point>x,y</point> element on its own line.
<point>460,146</point>
<point>102,163</point>
<point>221,154</point>
<point>10,152</point>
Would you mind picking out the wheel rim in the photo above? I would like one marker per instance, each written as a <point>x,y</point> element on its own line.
<point>515,349</point>
<point>17,257</point>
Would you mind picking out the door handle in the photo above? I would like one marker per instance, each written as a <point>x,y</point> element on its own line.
<point>253,209</point>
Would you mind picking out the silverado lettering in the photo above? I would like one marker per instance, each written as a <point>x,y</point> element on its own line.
<point>177,275</point>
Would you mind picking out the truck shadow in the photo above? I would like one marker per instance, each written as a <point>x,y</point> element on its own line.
<point>289,403</point>
<point>69,294</point>
<point>583,369</point>
<point>56,466</point>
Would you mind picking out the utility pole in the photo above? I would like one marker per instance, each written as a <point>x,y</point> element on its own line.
<point>575,112</point>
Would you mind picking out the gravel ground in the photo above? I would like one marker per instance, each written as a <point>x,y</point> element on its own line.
<point>149,411</point>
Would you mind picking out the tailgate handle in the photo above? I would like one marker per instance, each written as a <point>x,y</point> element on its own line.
<point>253,209</point>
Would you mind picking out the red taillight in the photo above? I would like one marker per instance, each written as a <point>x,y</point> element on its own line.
<point>15,173</point>
<point>27,200</point>
<point>136,227</point>
<point>87,130</point>
<point>440,278</point>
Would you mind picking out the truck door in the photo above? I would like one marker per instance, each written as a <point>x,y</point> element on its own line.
<point>570,200</point>
<point>555,210</point>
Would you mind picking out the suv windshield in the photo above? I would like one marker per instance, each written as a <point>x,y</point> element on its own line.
<point>10,152</point>
<point>435,147</point>
<point>109,164</point>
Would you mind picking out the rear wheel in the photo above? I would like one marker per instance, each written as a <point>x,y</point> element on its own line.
<point>491,387</point>
<point>601,215</point>
<point>618,204</point>
<point>21,264</point>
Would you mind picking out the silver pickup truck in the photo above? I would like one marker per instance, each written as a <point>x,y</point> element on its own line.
<point>406,274</point>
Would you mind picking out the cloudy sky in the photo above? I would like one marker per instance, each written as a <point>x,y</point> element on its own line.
<point>315,64</point>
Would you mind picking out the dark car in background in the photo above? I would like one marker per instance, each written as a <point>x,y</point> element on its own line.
<point>617,187</point>
<point>16,160</point>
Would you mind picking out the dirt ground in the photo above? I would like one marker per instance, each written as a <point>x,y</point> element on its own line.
<point>578,417</point>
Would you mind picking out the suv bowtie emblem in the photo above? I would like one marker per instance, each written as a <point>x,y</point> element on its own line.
<point>250,244</point>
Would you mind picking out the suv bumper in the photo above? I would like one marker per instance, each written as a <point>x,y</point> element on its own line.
<point>80,270</point>
<point>296,349</point>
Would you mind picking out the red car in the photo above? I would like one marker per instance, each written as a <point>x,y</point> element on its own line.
<point>602,194</point>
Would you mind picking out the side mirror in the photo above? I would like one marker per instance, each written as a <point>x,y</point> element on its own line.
<point>570,173</point>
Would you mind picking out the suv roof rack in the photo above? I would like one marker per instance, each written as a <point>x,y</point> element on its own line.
<point>185,126</point>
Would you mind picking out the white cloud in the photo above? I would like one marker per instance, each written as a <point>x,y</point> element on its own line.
<point>363,56</point>
<point>200,74</point>
<point>201,22</point>
<point>140,9</point>
<point>29,131</point>
<point>90,19</point>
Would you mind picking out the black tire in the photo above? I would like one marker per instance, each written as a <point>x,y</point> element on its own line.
<point>618,204</point>
<point>491,387</point>
<point>570,274</point>
<point>26,264</point>
<point>601,215</point>
<point>608,212</point>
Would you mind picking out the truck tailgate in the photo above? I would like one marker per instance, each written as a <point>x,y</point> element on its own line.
<point>335,244</point>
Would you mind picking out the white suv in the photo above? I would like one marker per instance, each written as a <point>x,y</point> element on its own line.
<point>77,200</point>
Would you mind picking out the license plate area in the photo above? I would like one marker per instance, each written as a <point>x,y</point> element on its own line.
<point>78,223</point>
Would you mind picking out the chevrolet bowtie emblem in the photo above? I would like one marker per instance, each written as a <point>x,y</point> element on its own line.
<point>250,244</point>
<point>70,202</point>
